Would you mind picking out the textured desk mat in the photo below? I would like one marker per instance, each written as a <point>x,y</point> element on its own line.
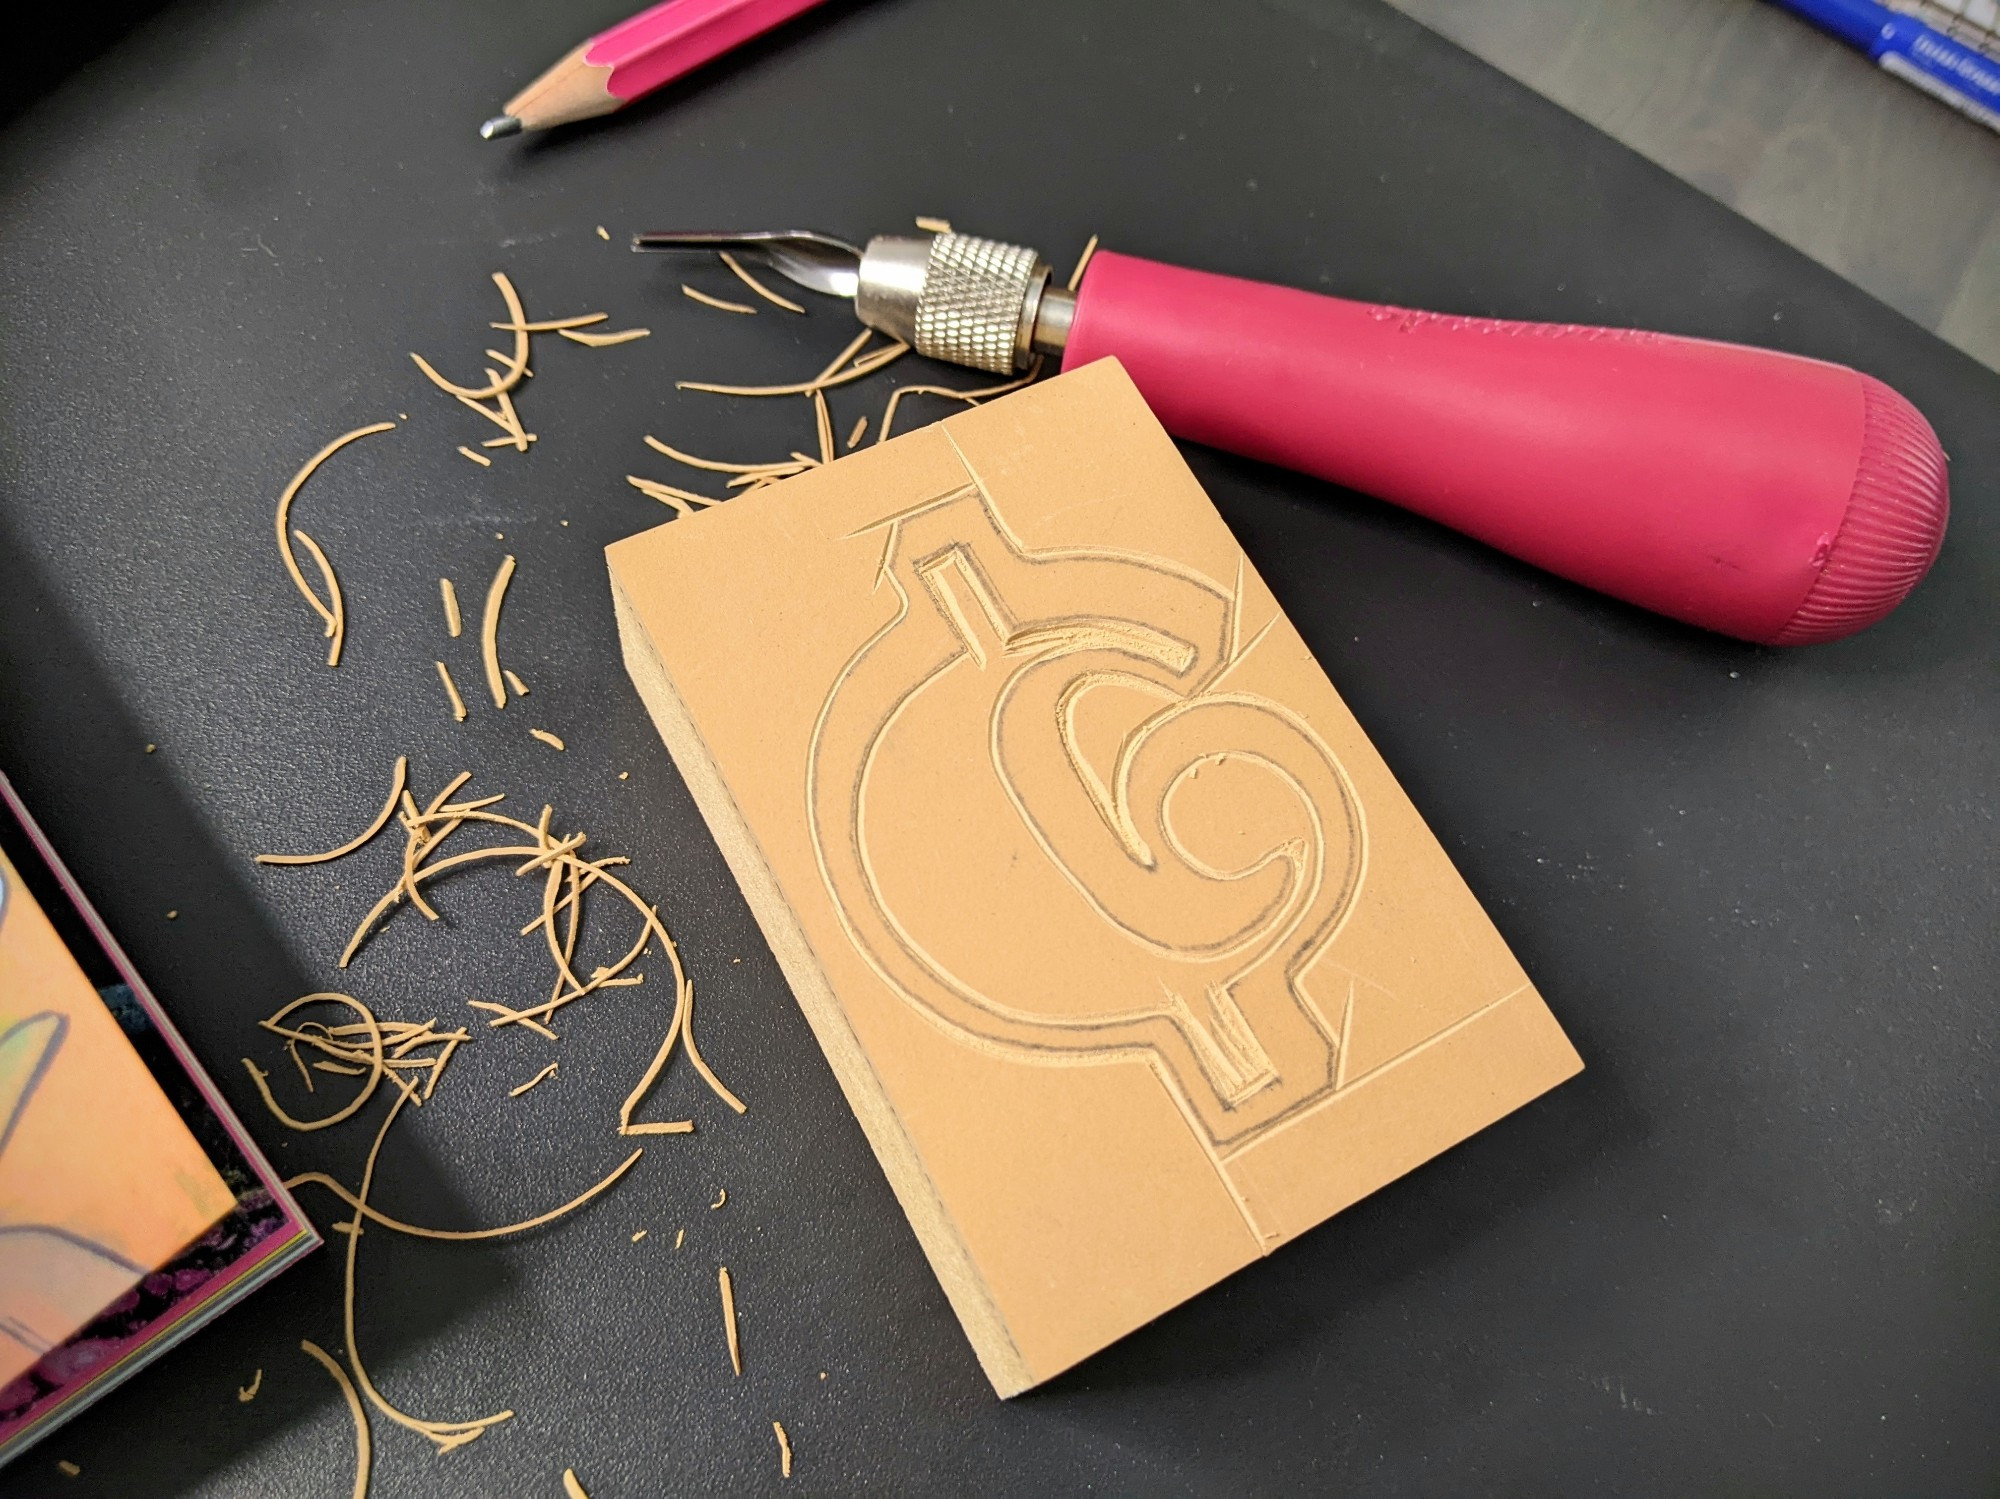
<point>1753,1246</point>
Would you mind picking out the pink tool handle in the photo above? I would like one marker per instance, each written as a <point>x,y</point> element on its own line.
<point>1770,497</point>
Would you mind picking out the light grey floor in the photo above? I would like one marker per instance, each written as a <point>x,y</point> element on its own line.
<point>1786,125</point>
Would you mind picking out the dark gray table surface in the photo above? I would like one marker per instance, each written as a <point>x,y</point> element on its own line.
<point>1754,1248</point>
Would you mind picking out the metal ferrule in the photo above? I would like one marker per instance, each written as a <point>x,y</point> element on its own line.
<point>963,299</point>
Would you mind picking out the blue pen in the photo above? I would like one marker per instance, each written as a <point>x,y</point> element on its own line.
<point>1966,79</point>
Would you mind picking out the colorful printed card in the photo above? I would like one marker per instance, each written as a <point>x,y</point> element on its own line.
<point>100,1182</point>
<point>132,1205</point>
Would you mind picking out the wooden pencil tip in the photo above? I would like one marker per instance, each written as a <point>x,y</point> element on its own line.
<point>499,127</point>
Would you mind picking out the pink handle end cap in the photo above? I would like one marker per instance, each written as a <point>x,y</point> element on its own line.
<point>1892,528</point>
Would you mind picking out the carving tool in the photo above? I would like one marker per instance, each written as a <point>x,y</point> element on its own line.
<point>635,57</point>
<point>1775,498</point>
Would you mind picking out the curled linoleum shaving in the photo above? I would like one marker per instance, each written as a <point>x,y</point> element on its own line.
<point>331,610</point>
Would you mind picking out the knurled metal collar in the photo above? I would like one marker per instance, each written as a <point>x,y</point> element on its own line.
<point>975,306</point>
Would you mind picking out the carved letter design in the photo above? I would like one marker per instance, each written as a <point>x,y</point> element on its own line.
<point>1050,824</point>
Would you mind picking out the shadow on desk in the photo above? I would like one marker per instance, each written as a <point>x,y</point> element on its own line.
<point>137,847</point>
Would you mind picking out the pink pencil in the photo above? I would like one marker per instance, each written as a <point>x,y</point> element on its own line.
<point>635,57</point>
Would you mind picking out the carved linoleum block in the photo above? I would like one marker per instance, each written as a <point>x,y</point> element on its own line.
<point>1128,951</point>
